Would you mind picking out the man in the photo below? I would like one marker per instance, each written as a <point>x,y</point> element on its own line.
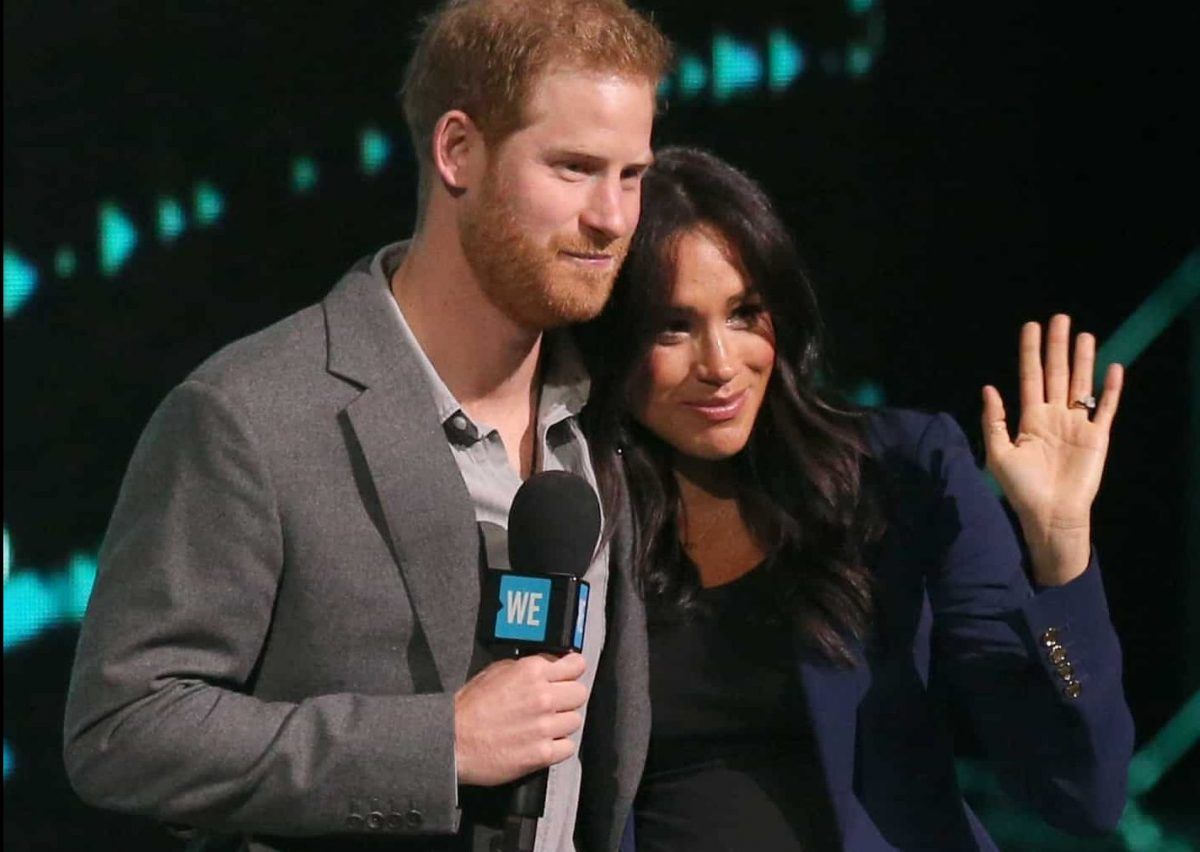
<point>280,643</point>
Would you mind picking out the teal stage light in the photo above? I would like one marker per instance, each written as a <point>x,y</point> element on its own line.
<point>737,67</point>
<point>10,762</point>
<point>858,8</point>
<point>208,204</point>
<point>171,219</point>
<point>34,602</point>
<point>118,238</point>
<point>785,60</point>
<point>868,394</point>
<point>304,175</point>
<point>859,59</point>
<point>373,150</point>
<point>20,281</point>
<point>693,76</point>
<point>65,262</point>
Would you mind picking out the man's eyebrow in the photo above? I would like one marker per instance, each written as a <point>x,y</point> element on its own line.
<point>560,154</point>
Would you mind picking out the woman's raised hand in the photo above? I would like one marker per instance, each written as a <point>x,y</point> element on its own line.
<point>1051,471</point>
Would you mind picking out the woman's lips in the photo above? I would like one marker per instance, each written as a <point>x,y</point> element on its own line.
<point>720,410</point>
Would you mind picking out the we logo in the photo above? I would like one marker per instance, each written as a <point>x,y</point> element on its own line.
<point>524,606</point>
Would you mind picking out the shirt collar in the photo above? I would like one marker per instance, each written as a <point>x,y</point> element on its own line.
<point>565,381</point>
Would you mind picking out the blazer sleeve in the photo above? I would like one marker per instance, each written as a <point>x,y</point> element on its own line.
<point>159,721</point>
<point>1038,670</point>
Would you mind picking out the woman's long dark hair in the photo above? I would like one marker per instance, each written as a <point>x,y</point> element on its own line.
<point>803,478</point>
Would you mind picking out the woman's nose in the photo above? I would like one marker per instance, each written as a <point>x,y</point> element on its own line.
<point>715,364</point>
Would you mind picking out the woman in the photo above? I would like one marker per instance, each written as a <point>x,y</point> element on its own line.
<point>820,585</point>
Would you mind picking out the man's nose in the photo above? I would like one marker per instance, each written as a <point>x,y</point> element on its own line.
<point>606,211</point>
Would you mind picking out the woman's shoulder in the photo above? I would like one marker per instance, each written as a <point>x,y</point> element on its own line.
<point>916,437</point>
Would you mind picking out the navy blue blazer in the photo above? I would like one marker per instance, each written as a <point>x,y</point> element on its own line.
<point>1037,671</point>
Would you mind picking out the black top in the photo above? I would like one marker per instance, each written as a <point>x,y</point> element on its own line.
<point>732,763</point>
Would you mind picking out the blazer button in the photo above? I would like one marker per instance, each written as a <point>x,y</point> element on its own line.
<point>354,822</point>
<point>1050,637</point>
<point>414,818</point>
<point>1073,689</point>
<point>395,821</point>
<point>1065,670</point>
<point>1058,654</point>
<point>375,820</point>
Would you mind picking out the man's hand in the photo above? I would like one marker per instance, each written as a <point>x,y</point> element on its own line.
<point>515,717</point>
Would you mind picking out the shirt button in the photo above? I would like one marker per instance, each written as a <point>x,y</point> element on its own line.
<point>459,423</point>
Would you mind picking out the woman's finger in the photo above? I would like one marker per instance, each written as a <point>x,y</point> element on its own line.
<point>1106,409</point>
<point>1082,369</point>
<point>995,428</point>
<point>1058,370</point>
<point>1029,365</point>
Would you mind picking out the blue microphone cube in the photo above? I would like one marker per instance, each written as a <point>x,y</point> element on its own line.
<point>532,613</point>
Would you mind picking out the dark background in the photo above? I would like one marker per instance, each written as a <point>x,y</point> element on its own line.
<point>998,163</point>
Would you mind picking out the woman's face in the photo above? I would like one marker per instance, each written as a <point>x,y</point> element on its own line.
<point>706,374</point>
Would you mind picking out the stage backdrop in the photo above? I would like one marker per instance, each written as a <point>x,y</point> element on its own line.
<point>178,175</point>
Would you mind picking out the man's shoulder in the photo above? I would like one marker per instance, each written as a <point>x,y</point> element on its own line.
<point>289,348</point>
<point>288,354</point>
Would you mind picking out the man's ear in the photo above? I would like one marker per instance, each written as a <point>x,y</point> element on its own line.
<point>458,149</point>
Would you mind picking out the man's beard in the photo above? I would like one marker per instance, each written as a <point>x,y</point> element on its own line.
<point>533,284</point>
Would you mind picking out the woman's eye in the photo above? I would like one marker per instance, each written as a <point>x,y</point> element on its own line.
<point>673,330</point>
<point>746,316</point>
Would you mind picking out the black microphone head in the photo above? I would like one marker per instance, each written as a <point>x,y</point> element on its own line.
<point>553,524</point>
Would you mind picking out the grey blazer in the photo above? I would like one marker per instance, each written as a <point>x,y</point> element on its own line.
<point>287,595</point>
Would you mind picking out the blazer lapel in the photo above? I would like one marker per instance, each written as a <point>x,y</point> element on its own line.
<point>424,502</point>
<point>833,696</point>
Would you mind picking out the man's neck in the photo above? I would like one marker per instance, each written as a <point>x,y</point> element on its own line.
<point>488,362</point>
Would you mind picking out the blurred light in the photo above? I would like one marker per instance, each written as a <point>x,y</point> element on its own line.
<point>868,394</point>
<point>1170,744</point>
<point>118,238</point>
<point>171,219</point>
<point>693,76</point>
<point>208,204</point>
<point>10,763</point>
<point>831,62</point>
<point>737,67</point>
<point>859,58</point>
<point>20,280</point>
<point>34,601</point>
<point>785,59</point>
<point>7,554</point>
<point>65,263</point>
<point>860,7</point>
<point>304,175</point>
<point>373,149</point>
<point>1172,297</point>
<point>664,88</point>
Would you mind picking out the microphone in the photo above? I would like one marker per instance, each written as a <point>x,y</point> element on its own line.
<point>540,606</point>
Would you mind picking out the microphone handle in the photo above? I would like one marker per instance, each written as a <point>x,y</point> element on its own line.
<point>526,806</point>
